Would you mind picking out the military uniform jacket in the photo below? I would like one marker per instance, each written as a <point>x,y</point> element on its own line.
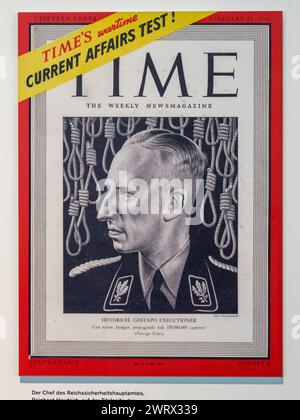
<point>204,288</point>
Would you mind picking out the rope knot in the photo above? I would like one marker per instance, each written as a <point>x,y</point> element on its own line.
<point>199,129</point>
<point>224,132</point>
<point>91,157</point>
<point>83,198</point>
<point>211,181</point>
<point>151,123</point>
<point>231,214</point>
<point>74,208</point>
<point>225,201</point>
<point>75,135</point>
<point>110,129</point>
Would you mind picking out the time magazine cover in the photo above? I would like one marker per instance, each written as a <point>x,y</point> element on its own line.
<point>150,200</point>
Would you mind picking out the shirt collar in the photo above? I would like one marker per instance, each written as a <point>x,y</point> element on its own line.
<point>171,270</point>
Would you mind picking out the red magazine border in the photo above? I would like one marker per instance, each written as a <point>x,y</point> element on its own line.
<point>270,367</point>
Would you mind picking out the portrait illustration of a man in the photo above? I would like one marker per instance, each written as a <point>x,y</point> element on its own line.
<point>161,271</point>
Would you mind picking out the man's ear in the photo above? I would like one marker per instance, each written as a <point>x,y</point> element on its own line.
<point>176,205</point>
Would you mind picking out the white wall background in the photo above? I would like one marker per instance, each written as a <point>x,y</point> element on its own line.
<point>10,387</point>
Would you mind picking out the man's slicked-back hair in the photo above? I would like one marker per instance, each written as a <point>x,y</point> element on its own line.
<point>180,154</point>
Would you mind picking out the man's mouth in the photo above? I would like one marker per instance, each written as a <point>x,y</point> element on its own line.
<point>114,233</point>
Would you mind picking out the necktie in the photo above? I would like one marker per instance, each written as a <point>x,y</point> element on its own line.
<point>159,303</point>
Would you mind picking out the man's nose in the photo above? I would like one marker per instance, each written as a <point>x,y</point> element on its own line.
<point>107,209</point>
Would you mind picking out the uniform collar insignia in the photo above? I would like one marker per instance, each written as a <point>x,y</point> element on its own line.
<point>203,295</point>
<point>199,291</point>
<point>119,293</point>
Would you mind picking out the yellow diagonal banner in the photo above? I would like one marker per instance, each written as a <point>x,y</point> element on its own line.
<point>95,45</point>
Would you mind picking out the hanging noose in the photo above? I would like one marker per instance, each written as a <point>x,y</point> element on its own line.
<point>183,123</point>
<point>84,194</point>
<point>91,154</point>
<point>75,159</point>
<point>79,201</point>
<point>82,221</point>
<point>83,200</point>
<point>75,173</point>
<point>227,240</point>
<point>211,178</point>
<point>225,206</point>
<point>234,157</point>
<point>73,231</point>
<point>65,160</point>
<point>224,138</point>
<point>210,186</point>
<point>110,135</point>
<point>231,217</point>
<point>211,137</point>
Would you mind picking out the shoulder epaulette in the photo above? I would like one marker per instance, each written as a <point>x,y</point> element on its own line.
<point>84,268</point>
<point>223,266</point>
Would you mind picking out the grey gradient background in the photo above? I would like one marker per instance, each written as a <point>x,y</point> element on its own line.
<point>10,387</point>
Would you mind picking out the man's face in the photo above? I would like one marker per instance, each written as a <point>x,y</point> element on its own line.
<point>132,232</point>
